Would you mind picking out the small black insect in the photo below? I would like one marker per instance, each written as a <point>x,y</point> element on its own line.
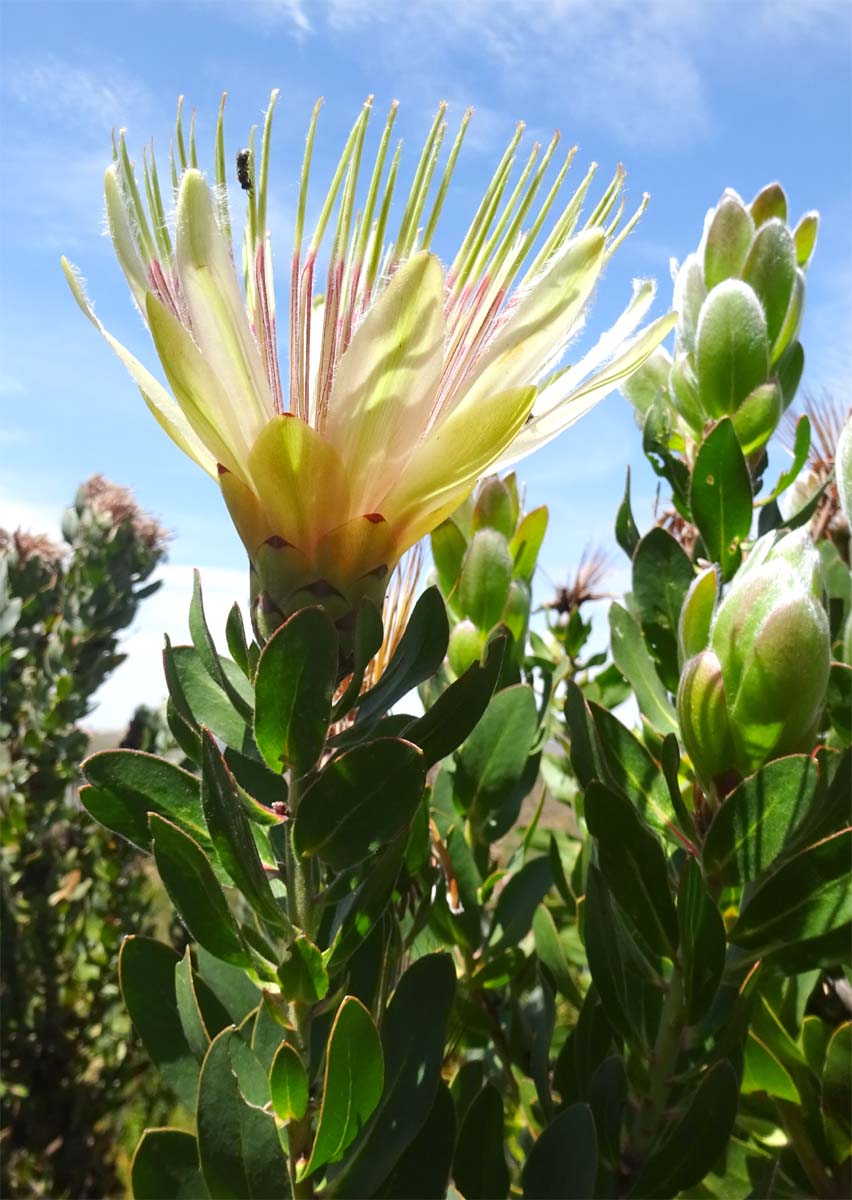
<point>244,170</point>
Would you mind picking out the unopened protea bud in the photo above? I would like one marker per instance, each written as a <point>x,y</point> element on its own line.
<point>757,688</point>
<point>740,299</point>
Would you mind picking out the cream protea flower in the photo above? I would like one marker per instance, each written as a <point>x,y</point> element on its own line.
<point>407,380</point>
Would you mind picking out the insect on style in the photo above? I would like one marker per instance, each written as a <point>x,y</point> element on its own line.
<point>244,169</point>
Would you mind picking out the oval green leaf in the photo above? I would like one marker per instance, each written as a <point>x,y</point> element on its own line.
<point>294,687</point>
<point>354,1077</point>
<point>360,801</point>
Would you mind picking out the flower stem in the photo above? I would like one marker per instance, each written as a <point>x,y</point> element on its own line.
<point>300,899</point>
<point>662,1065</point>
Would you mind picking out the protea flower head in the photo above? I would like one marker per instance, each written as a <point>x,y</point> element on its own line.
<point>406,381</point>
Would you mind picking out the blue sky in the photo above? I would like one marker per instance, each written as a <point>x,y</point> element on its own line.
<point>691,95</point>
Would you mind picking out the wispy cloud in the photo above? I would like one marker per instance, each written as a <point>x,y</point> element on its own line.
<point>638,70</point>
<point>72,94</point>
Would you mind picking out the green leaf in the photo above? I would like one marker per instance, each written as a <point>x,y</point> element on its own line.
<point>448,550</point>
<point>233,838</point>
<point>586,1048</point>
<point>235,636</point>
<point>801,449</point>
<point>423,1171</point>
<point>702,941</point>
<point>836,1089</point>
<point>770,270</point>
<point>633,660</point>
<point>662,575</point>
<point>626,533</point>
<point>203,642</point>
<point>288,1084</point>
<point>695,1140</point>
<point>732,352</point>
<point>418,656</point>
<point>526,543</point>
<point>727,241</point>
<point>128,784</point>
<point>364,907</point>
<point>563,1163</point>
<point>769,202</point>
<point>268,1032</point>
<point>632,769</point>
<point>252,1078</point>
<point>366,643</point>
<point>189,1009</point>
<point>485,577</point>
<point>263,793</point>
<point>360,801</point>
<point>457,711</point>
<point>413,1034</point>
<point>165,1167</point>
<point>696,616</point>
<point>200,701</point>
<point>750,829</point>
<point>670,764</point>
<point>839,701</point>
<point>807,897</point>
<point>832,807</point>
<point>721,496</point>
<point>620,972</point>
<point>304,978</point>
<point>517,903</point>
<point>634,866</point>
<point>762,1072</point>
<point>559,880</point>
<point>493,758</point>
<point>608,1092</point>
<point>230,985</point>
<point>196,893</point>
<point>354,1077</point>
<point>552,955</point>
<point>146,974</point>
<point>294,686</point>
<point>238,1144</point>
<point>658,439</point>
<point>479,1166</point>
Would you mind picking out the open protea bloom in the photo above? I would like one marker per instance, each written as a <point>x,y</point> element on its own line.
<point>407,380</point>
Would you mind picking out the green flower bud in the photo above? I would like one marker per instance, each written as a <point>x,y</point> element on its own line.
<point>756,418</point>
<point>740,301</point>
<point>485,578</point>
<point>516,611</point>
<point>466,646</point>
<point>757,691</point>
<point>703,714</point>
<point>494,507</point>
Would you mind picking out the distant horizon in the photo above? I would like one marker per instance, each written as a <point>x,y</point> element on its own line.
<point>692,97</point>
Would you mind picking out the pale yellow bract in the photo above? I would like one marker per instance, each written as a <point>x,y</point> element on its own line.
<point>407,380</point>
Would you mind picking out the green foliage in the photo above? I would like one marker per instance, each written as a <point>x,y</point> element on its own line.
<point>522,943</point>
<point>75,1086</point>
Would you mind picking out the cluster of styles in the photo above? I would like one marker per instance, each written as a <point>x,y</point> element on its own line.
<point>505,945</point>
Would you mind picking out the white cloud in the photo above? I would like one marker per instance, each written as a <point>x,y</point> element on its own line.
<point>268,15</point>
<point>636,69</point>
<point>74,94</point>
<point>11,387</point>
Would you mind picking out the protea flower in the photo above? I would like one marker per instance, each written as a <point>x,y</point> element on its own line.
<point>407,380</point>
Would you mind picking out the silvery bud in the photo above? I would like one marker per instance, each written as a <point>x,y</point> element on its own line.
<point>740,301</point>
<point>757,687</point>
